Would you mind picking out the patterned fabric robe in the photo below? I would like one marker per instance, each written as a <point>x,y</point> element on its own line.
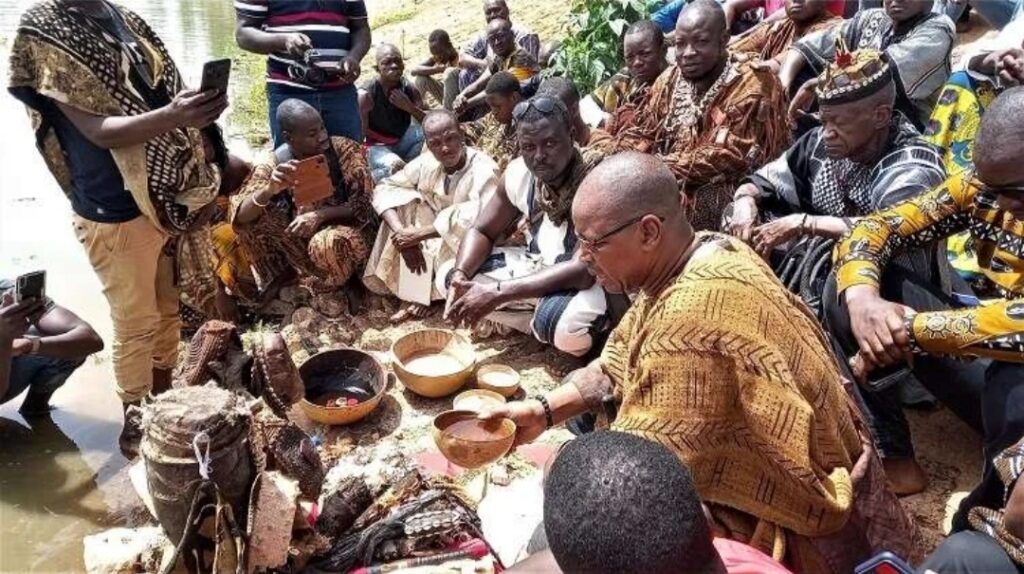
<point>732,372</point>
<point>921,54</point>
<point>498,141</point>
<point>328,259</point>
<point>709,140</point>
<point>424,195</point>
<point>771,39</point>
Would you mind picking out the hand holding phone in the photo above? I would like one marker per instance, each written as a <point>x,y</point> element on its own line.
<point>312,180</point>
<point>30,287</point>
<point>216,75</point>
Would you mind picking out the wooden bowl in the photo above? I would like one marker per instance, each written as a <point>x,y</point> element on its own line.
<point>501,379</point>
<point>331,372</point>
<point>414,352</point>
<point>469,451</point>
<point>476,399</point>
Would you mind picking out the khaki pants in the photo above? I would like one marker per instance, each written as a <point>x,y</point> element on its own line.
<point>138,281</point>
<point>444,91</point>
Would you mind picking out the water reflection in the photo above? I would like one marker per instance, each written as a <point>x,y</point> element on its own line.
<point>61,479</point>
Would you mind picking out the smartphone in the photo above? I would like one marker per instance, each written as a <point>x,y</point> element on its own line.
<point>312,181</point>
<point>30,286</point>
<point>215,75</point>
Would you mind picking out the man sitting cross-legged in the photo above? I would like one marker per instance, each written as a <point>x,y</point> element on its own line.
<point>426,208</point>
<point>325,243</point>
<point>495,134</point>
<point>392,110</point>
<point>614,503</point>
<point>505,56</point>
<point>444,60</point>
<point>864,157</point>
<point>539,288</point>
<point>719,362</point>
<point>889,317</point>
<point>711,119</point>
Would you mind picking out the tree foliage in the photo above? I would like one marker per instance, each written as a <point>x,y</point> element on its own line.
<point>592,49</point>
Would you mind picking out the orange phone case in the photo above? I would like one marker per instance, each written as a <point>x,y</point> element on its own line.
<point>312,181</point>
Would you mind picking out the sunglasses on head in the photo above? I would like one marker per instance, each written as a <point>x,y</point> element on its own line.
<point>543,104</point>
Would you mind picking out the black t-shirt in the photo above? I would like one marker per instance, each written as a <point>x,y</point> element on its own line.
<point>388,123</point>
<point>97,189</point>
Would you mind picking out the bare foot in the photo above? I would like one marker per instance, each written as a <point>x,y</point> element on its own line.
<point>413,311</point>
<point>905,475</point>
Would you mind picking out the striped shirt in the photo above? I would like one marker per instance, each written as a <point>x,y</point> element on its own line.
<point>325,22</point>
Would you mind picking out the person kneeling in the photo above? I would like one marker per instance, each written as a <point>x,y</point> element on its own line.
<point>540,287</point>
<point>426,208</point>
<point>326,242</point>
<point>41,345</point>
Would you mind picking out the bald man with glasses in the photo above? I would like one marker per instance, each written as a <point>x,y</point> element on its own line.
<point>539,288</point>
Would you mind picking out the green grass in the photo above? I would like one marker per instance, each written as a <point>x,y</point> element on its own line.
<point>249,107</point>
<point>393,17</point>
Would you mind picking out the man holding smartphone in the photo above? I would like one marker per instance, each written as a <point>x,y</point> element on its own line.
<point>125,140</point>
<point>314,50</point>
<point>41,344</point>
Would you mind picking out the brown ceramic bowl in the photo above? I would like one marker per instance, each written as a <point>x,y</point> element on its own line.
<point>477,400</point>
<point>472,451</point>
<point>452,354</point>
<point>330,373</point>
<point>501,379</point>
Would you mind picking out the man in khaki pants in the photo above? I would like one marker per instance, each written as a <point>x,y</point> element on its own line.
<point>122,137</point>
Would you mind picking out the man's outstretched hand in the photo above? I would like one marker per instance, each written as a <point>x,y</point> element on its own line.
<point>528,416</point>
<point>879,328</point>
<point>469,301</point>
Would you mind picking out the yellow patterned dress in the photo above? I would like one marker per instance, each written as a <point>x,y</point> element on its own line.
<point>962,204</point>
<point>732,372</point>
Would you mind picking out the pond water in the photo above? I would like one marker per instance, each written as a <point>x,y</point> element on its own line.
<point>63,478</point>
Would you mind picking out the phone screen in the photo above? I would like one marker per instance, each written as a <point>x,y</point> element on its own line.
<point>215,75</point>
<point>30,286</point>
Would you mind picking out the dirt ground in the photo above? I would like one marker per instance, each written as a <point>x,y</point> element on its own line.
<point>380,447</point>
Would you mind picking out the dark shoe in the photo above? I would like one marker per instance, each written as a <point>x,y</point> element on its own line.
<point>36,405</point>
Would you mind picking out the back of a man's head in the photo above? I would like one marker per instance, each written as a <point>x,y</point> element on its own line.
<point>503,83</point>
<point>614,503</point>
<point>562,88</point>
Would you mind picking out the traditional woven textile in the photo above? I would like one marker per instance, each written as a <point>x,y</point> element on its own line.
<point>490,136</point>
<point>61,55</point>
<point>335,253</point>
<point>733,373</point>
<point>1009,464</point>
<point>710,140</point>
<point>556,203</point>
<point>771,39</point>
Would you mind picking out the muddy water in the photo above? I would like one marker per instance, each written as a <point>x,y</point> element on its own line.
<point>61,478</point>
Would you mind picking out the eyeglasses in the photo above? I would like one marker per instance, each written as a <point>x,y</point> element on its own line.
<point>596,243</point>
<point>543,104</point>
<point>1001,189</point>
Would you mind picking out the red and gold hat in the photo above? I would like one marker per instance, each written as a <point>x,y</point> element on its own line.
<point>853,76</point>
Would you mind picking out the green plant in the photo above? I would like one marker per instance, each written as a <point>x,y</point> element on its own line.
<point>592,49</point>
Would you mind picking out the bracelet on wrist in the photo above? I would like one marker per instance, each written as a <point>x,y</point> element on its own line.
<point>549,419</point>
<point>258,204</point>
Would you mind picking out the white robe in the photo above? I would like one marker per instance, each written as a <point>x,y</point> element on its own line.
<point>423,194</point>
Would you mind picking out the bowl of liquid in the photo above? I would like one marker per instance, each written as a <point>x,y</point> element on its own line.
<point>433,363</point>
<point>342,386</point>
<point>470,442</point>
<point>477,400</point>
<point>501,379</point>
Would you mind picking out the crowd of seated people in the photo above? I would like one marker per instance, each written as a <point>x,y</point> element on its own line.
<point>741,235</point>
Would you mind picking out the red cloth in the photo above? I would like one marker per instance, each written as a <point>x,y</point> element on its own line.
<point>742,559</point>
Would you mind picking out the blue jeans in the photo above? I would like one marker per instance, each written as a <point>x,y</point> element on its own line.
<point>383,158</point>
<point>40,375</point>
<point>997,13</point>
<point>339,109</point>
